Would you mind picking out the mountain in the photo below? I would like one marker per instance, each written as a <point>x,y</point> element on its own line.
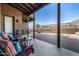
<point>72,23</point>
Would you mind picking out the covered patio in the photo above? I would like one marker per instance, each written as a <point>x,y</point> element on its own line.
<point>34,46</point>
<point>14,25</point>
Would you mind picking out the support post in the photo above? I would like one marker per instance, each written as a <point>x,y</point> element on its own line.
<point>58,27</point>
<point>33,31</point>
<point>33,26</point>
<point>27,26</point>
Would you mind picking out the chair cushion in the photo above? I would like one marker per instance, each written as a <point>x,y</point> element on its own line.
<point>3,43</point>
<point>11,37</point>
<point>12,48</point>
<point>4,47</point>
<point>17,46</point>
<point>23,45</point>
<point>1,38</point>
<point>2,53</point>
<point>0,33</point>
<point>7,47</point>
<point>25,52</point>
<point>5,36</point>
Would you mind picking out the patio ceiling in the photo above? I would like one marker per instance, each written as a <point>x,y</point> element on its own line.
<point>28,8</point>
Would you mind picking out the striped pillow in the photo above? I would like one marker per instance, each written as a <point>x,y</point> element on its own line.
<point>8,47</point>
<point>12,48</point>
<point>2,52</point>
<point>5,36</point>
<point>17,47</point>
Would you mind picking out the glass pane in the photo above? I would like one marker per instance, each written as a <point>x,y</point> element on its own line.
<point>46,21</point>
<point>70,26</point>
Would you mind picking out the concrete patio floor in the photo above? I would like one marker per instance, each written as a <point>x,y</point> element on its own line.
<point>70,42</point>
<point>42,48</point>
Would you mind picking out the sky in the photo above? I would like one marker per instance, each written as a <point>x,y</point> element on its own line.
<point>69,12</point>
<point>48,14</point>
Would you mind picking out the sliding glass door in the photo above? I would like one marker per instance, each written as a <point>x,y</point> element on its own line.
<point>70,26</point>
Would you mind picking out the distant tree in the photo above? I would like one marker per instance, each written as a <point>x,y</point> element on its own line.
<point>37,26</point>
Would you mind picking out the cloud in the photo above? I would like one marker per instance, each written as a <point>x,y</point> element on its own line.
<point>67,21</point>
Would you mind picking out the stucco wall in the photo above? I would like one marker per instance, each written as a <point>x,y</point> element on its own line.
<point>10,11</point>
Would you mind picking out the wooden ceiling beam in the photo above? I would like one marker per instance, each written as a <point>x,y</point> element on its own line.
<point>22,7</point>
<point>29,6</point>
<point>33,4</point>
<point>31,9</point>
<point>39,8</point>
<point>17,7</point>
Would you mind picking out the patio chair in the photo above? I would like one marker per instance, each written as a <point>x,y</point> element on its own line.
<point>24,52</point>
<point>9,50</point>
